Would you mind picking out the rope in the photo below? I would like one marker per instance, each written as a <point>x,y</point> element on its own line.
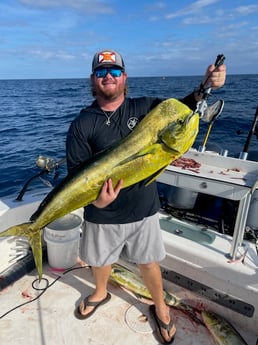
<point>43,289</point>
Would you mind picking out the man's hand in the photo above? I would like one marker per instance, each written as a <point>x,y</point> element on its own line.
<point>108,194</point>
<point>215,76</point>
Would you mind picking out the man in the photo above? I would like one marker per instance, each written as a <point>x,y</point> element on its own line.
<point>121,222</point>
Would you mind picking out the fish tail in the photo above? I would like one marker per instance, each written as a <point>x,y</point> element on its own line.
<point>33,234</point>
<point>16,230</point>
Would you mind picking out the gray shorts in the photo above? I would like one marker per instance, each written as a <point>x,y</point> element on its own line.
<point>139,242</point>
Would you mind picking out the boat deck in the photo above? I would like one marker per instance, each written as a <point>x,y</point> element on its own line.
<point>46,317</point>
<point>203,261</point>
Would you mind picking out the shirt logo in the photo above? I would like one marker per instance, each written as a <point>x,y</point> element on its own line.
<point>132,122</point>
<point>107,57</point>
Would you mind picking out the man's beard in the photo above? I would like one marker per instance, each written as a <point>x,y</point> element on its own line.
<point>109,95</point>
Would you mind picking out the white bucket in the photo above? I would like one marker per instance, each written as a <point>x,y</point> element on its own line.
<point>62,237</point>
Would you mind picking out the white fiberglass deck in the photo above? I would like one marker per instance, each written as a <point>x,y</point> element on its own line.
<point>49,320</point>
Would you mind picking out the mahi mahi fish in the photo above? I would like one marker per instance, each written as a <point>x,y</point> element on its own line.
<point>127,279</point>
<point>164,134</point>
<point>223,333</point>
<point>124,277</point>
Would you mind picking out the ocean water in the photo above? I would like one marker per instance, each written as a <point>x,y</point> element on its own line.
<point>35,116</point>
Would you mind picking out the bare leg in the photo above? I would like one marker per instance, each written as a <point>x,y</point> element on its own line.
<point>101,275</point>
<point>153,280</point>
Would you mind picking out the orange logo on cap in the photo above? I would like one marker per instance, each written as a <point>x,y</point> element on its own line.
<point>107,57</point>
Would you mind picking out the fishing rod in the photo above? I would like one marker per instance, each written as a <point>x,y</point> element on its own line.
<point>243,155</point>
<point>209,114</point>
<point>202,105</point>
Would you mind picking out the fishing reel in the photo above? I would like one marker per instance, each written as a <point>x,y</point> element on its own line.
<point>49,164</point>
<point>46,165</point>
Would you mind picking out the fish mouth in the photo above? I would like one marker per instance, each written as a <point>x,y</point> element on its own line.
<point>188,118</point>
<point>185,121</point>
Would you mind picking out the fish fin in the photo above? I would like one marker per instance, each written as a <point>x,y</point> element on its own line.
<point>138,296</point>
<point>150,150</point>
<point>33,234</point>
<point>120,268</point>
<point>154,176</point>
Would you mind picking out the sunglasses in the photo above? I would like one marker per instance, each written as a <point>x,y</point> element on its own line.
<point>102,73</point>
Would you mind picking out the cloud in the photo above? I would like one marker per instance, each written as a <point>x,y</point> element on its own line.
<point>245,10</point>
<point>156,6</point>
<point>48,54</point>
<point>201,20</point>
<point>191,9</point>
<point>86,6</point>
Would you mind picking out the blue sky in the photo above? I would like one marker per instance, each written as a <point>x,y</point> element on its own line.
<point>57,38</point>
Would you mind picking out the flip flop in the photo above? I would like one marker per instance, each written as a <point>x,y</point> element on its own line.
<point>87,303</point>
<point>160,324</point>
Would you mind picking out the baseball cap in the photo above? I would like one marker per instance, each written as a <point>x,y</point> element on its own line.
<point>107,57</point>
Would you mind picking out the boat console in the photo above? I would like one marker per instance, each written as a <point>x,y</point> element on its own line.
<point>224,177</point>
